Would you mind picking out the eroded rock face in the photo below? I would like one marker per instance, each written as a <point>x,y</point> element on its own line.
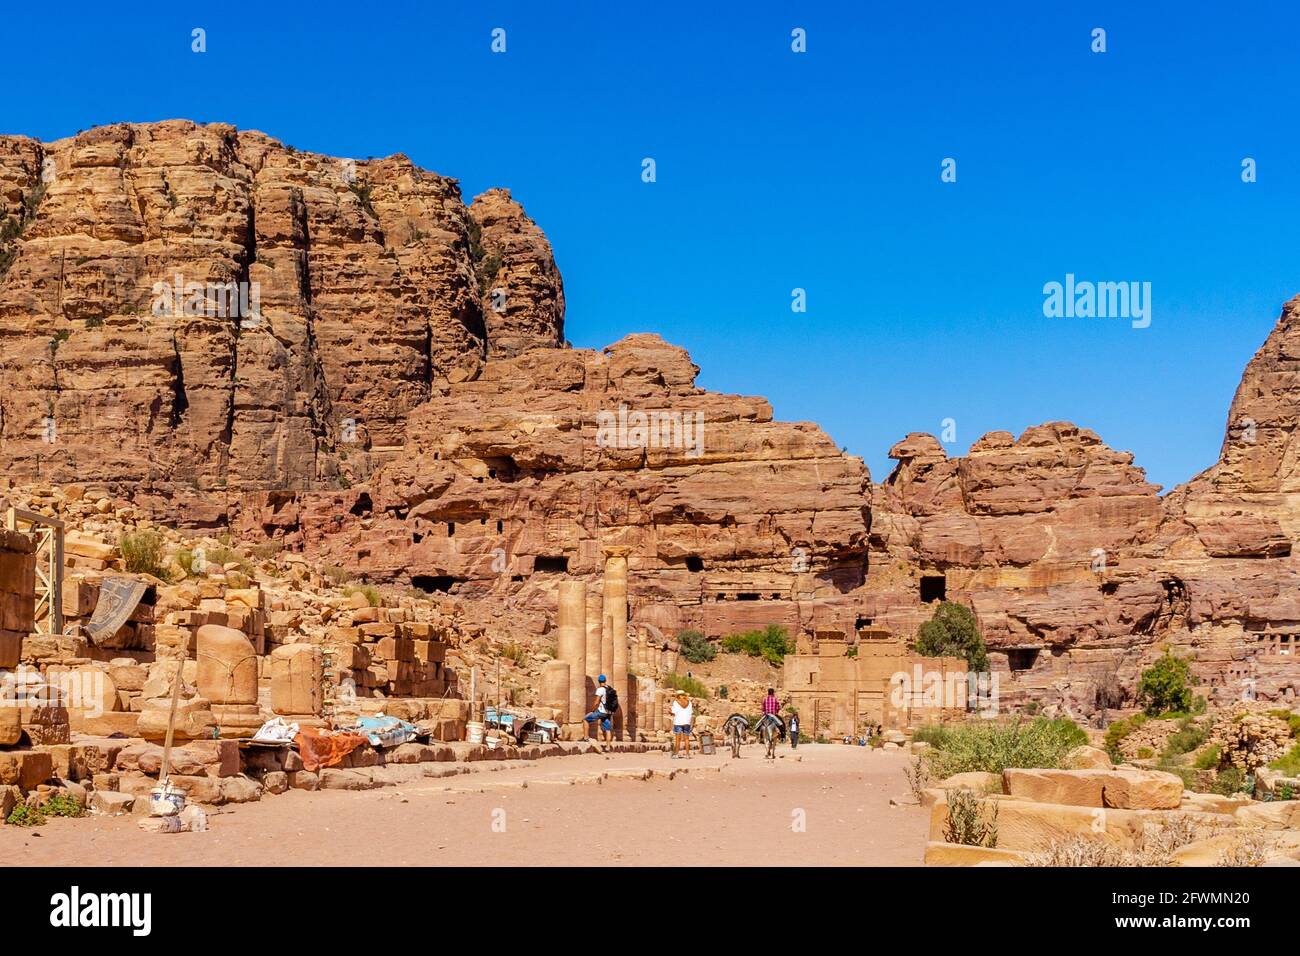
<point>1079,573</point>
<point>537,466</point>
<point>523,295</point>
<point>122,359</point>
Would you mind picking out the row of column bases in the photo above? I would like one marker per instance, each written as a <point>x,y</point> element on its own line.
<point>592,639</point>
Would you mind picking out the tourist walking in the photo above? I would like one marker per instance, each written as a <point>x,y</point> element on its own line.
<point>794,730</point>
<point>606,704</point>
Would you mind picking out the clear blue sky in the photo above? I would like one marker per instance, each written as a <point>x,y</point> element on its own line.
<point>820,170</point>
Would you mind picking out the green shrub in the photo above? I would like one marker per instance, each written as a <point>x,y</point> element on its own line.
<point>1120,729</point>
<point>1145,753</point>
<point>993,746</point>
<point>1228,782</point>
<point>1289,763</point>
<point>63,805</point>
<point>691,685</point>
<point>932,734</point>
<point>770,644</point>
<point>1167,685</point>
<point>24,816</point>
<point>695,647</point>
<point>1185,739</point>
<point>142,553</point>
<point>1208,759</point>
<point>953,632</point>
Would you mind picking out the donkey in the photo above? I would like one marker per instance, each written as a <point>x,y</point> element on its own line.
<point>735,730</point>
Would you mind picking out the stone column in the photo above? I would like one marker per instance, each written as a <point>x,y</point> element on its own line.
<point>594,668</point>
<point>616,615</point>
<point>555,687</point>
<point>615,632</point>
<point>572,644</point>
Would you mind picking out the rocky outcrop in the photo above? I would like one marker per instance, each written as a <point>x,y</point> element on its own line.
<point>550,458</point>
<point>523,295</point>
<point>193,311</point>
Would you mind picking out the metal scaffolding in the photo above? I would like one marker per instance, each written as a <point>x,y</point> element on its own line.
<point>48,533</point>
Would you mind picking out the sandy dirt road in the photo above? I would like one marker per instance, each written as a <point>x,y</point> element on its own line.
<point>831,806</point>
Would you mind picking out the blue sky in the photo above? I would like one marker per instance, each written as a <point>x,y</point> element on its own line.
<point>819,171</point>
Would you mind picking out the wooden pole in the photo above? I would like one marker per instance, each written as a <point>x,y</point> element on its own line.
<point>171,725</point>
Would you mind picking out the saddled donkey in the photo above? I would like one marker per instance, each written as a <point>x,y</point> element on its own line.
<point>770,729</point>
<point>735,730</point>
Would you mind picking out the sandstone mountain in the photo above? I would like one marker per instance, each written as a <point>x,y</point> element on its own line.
<point>371,283</point>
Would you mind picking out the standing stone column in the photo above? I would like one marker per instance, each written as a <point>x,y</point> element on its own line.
<point>594,668</point>
<point>555,687</point>
<point>572,644</point>
<point>616,615</point>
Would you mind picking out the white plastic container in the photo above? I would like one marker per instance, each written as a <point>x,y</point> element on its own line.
<point>474,731</point>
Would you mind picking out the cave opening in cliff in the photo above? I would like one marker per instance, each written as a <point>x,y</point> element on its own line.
<point>363,506</point>
<point>694,563</point>
<point>545,564</point>
<point>747,596</point>
<point>1022,658</point>
<point>434,583</point>
<point>862,621</point>
<point>934,587</point>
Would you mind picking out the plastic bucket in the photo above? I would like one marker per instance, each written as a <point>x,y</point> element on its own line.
<point>166,801</point>
<point>474,731</point>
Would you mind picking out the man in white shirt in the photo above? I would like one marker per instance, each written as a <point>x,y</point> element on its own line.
<point>601,713</point>
<point>683,717</point>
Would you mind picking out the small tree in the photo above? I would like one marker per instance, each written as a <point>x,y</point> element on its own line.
<point>1167,685</point>
<point>695,647</point>
<point>953,632</point>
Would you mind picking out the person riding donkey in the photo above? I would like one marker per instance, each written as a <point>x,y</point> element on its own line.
<point>772,713</point>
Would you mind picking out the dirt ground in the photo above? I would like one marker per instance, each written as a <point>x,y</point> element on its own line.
<point>820,805</point>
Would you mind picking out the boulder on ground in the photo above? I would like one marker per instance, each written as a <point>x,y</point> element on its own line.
<point>957,854</point>
<point>1087,758</point>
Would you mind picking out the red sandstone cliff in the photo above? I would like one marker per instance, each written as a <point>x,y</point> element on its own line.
<point>369,276</point>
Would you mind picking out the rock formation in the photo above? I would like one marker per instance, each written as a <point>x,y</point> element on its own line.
<point>190,311</point>
<point>342,358</point>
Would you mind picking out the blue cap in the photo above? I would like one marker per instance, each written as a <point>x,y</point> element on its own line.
<point>601,678</point>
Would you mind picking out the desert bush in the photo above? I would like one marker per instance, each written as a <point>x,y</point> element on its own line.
<point>1166,686</point>
<point>334,574</point>
<point>1208,758</point>
<point>63,805</point>
<point>993,746</point>
<point>689,684</point>
<point>770,644</point>
<point>1188,737</point>
<point>1155,847</point>
<point>1120,729</point>
<point>695,647</point>
<point>918,778</point>
<point>1229,782</point>
<point>953,632</point>
<point>515,652</point>
<point>972,819</point>
<point>369,590</point>
<point>142,553</point>
<point>24,816</point>
<point>1251,848</point>
<point>1289,764</point>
